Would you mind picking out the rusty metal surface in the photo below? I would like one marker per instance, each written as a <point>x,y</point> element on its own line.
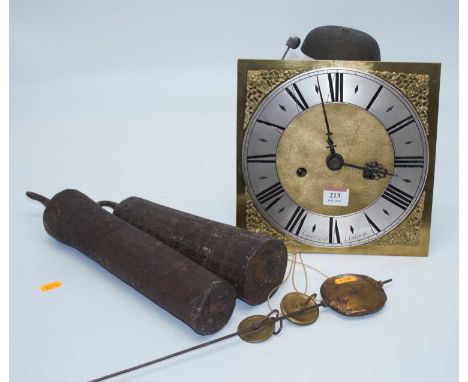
<point>191,293</point>
<point>353,294</point>
<point>252,262</point>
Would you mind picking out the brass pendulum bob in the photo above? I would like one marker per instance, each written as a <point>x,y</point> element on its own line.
<point>353,295</point>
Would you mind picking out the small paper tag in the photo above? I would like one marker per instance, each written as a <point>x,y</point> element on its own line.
<point>345,279</point>
<point>49,286</point>
<point>336,197</point>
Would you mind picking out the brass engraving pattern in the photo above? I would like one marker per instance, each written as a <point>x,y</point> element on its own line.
<point>407,232</point>
<point>256,223</point>
<point>262,82</point>
<point>413,85</point>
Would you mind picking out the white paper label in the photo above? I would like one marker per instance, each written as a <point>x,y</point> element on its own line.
<point>335,197</point>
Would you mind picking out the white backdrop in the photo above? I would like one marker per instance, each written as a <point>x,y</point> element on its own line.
<point>119,98</point>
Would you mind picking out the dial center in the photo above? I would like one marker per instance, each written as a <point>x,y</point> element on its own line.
<point>359,137</point>
<point>334,162</point>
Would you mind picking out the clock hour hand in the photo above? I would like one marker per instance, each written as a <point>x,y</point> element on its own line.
<point>371,170</point>
<point>331,144</point>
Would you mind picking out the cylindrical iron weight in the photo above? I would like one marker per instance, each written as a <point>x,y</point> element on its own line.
<point>253,263</point>
<point>191,293</point>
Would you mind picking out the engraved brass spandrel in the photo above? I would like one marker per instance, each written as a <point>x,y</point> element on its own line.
<point>256,223</point>
<point>408,232</point>
<point>414,86</point>
<point>260,83</point>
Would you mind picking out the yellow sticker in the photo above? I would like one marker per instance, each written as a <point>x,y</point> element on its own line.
<point>49,286</point>
<point>345,279</point>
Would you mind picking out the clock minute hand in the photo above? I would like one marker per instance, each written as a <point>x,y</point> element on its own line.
<point>331,144</point>
<point>372,170</point>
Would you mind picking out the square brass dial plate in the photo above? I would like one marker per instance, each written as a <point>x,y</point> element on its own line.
<point>259,79</point>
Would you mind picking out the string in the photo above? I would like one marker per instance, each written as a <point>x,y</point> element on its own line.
<point>276,287</point>
<point>316,270</point>
<point>292,259</point>
<point>305,274</point>
<point>293,276</point>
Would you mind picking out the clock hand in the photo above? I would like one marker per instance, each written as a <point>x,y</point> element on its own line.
<point>372,170</point>
<point>331,144</point>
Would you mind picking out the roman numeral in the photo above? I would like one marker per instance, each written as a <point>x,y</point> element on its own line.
<point>372,224</point>
<point>267,158</point>
<point>336,88</point>
<point>398,197</point>
<point>273,202</point>
<point>409,162</point>
<point>400,125</point>
<point>374,97</point>
<point>301,102</point>
<point>296,220</point>
<point>271,124</point>
<point>333,231</point>
<point>270,193</point>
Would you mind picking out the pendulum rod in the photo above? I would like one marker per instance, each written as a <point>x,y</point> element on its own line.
<point>267,320</point>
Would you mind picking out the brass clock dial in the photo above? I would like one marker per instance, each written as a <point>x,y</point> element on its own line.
<point>335,157</point>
